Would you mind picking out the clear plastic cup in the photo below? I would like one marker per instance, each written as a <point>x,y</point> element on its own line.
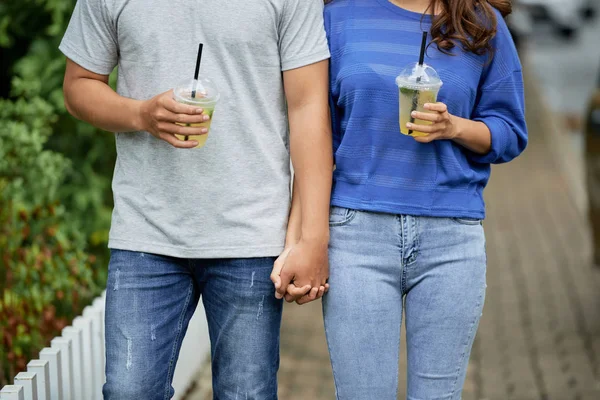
<point>417,85</point>
<point>202,93</point>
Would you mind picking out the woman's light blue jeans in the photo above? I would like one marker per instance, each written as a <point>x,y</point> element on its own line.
<point>437,265</point>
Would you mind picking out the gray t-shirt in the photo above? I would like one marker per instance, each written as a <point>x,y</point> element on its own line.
<point>229,199</point>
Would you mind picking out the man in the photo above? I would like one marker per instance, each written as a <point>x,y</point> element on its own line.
<point>210,221</point>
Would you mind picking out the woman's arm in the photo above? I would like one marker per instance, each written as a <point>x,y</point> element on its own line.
<point>473,135</point>
<point>496,130</point>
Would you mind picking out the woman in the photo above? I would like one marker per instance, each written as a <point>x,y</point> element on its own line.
<point>407,211</point>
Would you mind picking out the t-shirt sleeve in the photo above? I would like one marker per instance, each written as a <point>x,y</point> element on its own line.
<point>501,102</point>
<point>302,38</point>
<point>90,39</point>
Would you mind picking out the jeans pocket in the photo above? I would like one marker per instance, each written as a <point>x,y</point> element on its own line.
<point>468,221</point>
<point>339,216</point>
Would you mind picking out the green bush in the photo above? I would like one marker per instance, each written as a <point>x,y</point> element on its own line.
<point>47,274</point>
<point>38,26</point>
<point>55,198</point>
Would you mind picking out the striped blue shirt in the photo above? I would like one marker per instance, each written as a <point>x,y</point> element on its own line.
<point>377,168</point>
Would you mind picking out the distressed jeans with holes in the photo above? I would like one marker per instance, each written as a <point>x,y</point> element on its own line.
<point>437,266</point>
<point>150,300</point>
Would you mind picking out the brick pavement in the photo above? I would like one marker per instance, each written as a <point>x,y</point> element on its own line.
<point>539,338</point>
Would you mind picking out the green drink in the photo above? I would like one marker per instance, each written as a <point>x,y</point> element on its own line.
<point>202,93</point>
<point>406,101</point>
<point>417,85</point>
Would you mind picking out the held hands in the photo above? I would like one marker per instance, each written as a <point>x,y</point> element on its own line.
<point>300,273</point>
<point>161,114</point>
<point>443,124</point>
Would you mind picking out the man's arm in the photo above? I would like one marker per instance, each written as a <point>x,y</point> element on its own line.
<point>294,228</point>
<point>306,91</point>
<point>292,237</point>
<point>89,97</point>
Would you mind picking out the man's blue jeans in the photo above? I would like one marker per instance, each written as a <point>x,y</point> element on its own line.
<point>150,300</point>
<point>438,267</point>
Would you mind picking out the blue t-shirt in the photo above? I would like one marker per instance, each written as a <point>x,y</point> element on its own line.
<point>379,169</point>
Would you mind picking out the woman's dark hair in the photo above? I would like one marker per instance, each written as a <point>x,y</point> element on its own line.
<point>470,23</point>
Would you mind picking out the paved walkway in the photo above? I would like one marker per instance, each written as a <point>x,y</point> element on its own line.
<point>539,338</point>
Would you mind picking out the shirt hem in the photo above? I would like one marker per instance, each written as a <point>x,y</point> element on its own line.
<point>83,61</point>
<point>397,208</point>
<point>196,252</point>
<point>309,59</point>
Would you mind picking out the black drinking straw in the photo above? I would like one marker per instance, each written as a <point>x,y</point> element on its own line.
<point>197,72</point>
<point>415,99</point>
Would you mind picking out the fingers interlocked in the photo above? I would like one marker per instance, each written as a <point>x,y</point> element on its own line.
<point>288,284</point>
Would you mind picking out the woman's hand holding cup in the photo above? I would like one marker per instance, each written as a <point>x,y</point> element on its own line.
<point>443,124</point>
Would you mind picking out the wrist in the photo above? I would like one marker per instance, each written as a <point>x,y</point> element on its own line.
<point>459,127</point>
<point>138,115</point>
<point>291,240</point>
<point>316,238</point>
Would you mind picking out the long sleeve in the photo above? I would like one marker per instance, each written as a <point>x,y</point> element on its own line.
<point>500,102</point>
<point>501,107</point>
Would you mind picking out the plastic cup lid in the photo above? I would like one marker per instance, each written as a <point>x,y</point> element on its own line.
<point>204,89</point>
<point>417,76</point>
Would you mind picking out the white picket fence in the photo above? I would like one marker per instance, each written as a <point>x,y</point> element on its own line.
<point>72,368</point>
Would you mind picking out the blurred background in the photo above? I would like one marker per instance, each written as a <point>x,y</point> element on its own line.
<point>55,198</point>
<point>539,337</point>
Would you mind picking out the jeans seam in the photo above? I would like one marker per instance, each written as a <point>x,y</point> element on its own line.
<point>415,242</point>
<point>177,340</point>
<point>399,218</point>
<point>466,346</point>
<point>337,396</point>
<point>332,367</point>
<point>417,237</point>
